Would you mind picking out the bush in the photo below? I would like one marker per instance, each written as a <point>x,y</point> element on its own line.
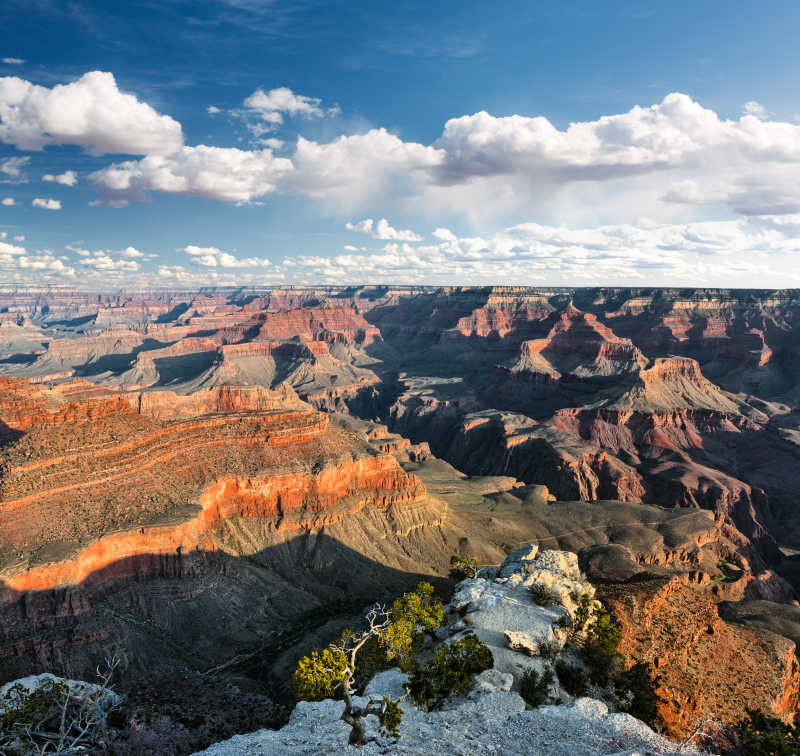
<point>572,678</point>
<point>413,615</point>
<point>319,676</point>
<point>600,647</point>
<point>450,671</point>
<point>763,735</point>
<point>535,688</point>
<point>582,613</point>
<point>636,690</point>
<point>462,568</point>
<point>542,595</point>
<point>390,718</point>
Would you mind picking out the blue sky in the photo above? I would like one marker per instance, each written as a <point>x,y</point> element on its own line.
<point>450,121</point>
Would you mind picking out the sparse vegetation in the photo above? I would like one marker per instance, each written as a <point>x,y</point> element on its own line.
<point>764,735</point>
<point>392,637</point>
<point>572,678</point>
<point>635,689</point>
<point>535,688</point>
<point>55,718</point>
<point>582,613</point>
<point>450,671</point>
<point>600,647</point>
<point>543,595</point>
<point>335,669</point>
<point>462,567</point>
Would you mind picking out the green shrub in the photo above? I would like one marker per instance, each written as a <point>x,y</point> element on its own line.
<point>582,613</point>
<point>635,689</point>
<point>25,708</point>
<point>535,688</point>
<point>763,735</point>
<point>390,718</point>
<point>318,676</point>
<point>413,615</point>
<point>572,678</point>
<point>600,647</point>
<point>543,595</point>
<point>462,568</point>
<point>450,671</point>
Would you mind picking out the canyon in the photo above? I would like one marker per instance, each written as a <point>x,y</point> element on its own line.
<point>214,480</point>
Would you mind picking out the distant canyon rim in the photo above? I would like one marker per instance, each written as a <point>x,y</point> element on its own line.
<point>212,479</point>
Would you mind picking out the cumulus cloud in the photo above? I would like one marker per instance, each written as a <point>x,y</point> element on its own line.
<point>11,249</point>
<point>653,159</point>
<point>756,109</point>
<point>90,112</point>
<point>213,110</point>
<point>13,61</point>
<point>47,204</point>
<point>19,265</point>
<point>212,257</point>
<point>105,262</point>
<point>382,230</point>
<point>68,178</point>
<point>224,173</point>
<point>445,234</point>
<point>12,167</point>
<point>19,238</point>
<point>8,202</point>
<point>725,253</point>
<point>352,170</point>
<point>271,106</point>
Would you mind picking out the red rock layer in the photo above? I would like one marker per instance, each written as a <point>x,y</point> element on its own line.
<point>705,665</point>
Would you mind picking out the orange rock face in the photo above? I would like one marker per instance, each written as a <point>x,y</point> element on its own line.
<point>705,665</point>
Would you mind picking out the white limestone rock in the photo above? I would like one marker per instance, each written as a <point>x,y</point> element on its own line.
<point>518,560</point>
<point>489,721</point>
<point>76,687</point>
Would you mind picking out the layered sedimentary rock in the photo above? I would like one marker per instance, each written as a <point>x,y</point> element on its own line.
<point>706,666</point>
<point>200,503</point>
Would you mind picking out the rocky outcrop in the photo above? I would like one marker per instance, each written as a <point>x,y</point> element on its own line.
<point>705,665</point>
<point>488,721</point>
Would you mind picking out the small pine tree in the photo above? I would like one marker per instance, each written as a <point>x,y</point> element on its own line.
<point>462,567</point>
<point>450,671</point>
<point>535,688</point>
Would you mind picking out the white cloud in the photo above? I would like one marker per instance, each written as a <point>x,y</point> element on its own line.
<point>382,230</point>
<point>13,167</point>
<point>19,238</point>
<point>270,106</point>
<point>131,252</point>
<point>17,264</point>
<point>90,112</point>
<point>68,178</point>
<point>11,249</point>
<point>8,201</point>
<point>13,61</point>
<point>728,253</point>
<point>662,161</point>
<point>756,109</point>
<point>272,143</point>
<point>47,204</point>
<point>445,234</point>
<point>224,173</point>
<point>212,257</point>
<point>354,170</point>
<point>213,110</point>
<point>104,261</point>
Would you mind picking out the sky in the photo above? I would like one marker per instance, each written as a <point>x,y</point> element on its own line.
<point>185,143</point>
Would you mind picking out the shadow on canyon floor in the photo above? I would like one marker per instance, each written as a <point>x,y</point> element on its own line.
<point>197,611</point>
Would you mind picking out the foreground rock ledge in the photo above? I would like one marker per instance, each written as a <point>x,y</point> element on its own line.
<point>488,721</point>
